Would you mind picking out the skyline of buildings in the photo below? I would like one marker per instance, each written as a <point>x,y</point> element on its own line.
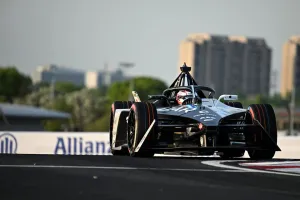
<point>229,64</point>
<point>90,79</point>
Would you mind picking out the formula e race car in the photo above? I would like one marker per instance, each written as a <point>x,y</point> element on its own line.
<point>194,122</point>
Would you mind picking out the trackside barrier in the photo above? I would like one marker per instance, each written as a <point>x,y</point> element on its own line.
<point>94,143</point>
<point>290,147</point>
<point>64,143</point>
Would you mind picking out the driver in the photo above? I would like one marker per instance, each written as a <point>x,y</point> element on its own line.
<point>183,95</point>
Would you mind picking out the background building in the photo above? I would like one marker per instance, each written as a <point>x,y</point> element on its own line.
<point>290,65</point>
<point>100,78</point>
<point>90,79</point>
<point>55,73</point>
<point>27,118</point>
<point>229,64</point>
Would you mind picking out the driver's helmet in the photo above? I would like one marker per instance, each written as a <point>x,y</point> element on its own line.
<point>183,95</point>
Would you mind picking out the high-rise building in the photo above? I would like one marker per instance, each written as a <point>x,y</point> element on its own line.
<point>290,65</point>
<point>229,64</point>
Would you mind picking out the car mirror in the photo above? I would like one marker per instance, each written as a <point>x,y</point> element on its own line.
<point>228,97</point>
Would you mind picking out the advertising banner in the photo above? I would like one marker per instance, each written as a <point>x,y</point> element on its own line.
<point>94,143</point>
<point>64,143</point>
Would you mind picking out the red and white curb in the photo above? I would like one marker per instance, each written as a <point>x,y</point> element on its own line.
<point>244,167</point>
<point>284,166</point>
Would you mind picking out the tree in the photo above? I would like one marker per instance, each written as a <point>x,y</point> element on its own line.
<point>39,85</point>
<point>59,104</point>
<point>39,97</point>
<point>66,87</point>
<point>88,106</point>
<point>13,83</point>
<point>143,85</point>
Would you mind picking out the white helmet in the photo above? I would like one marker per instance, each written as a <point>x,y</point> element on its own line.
<point>183,95</point>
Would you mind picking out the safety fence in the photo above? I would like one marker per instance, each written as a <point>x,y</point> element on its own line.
<point>94,143</point>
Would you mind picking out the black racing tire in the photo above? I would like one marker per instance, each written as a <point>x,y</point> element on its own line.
<point>265,115</point>
<point>233,153</point>
<point>117,105</point>
<point>140,118</point>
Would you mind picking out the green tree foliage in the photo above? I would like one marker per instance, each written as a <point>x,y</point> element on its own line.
<point>88,106</point>
<point>13,84</point>
<point>145,86</point>
<point>66,87</point>
<point>40,98</point>
<point>39,85</point>
<point>59,104</point>
<point>101,124</point>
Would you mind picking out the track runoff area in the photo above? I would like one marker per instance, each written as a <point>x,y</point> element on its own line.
<point>287,167</point>
<point>124,177</point>
<point>280,166</point>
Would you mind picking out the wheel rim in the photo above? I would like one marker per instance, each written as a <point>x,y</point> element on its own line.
<point>131,131</point>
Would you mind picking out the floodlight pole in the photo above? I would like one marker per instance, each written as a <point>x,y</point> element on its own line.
<point>131,83</point>
<point>52,93</point>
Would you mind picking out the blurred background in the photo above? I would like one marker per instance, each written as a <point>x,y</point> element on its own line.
<point>66,61</point>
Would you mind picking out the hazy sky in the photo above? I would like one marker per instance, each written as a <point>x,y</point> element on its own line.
<point>85,34</point>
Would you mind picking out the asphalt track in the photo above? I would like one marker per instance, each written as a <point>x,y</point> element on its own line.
<point>107,177</point>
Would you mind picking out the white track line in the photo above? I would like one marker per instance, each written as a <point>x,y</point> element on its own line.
<point>184,156</point>
<point>220,165</point>
<point>116,168</point>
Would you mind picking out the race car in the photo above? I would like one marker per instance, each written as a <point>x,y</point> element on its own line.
<point>187,118</point>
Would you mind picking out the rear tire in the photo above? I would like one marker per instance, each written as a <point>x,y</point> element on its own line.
<point>114,106</point>
<point>141,116</point>
<point>263,113</point>
<point>233,153</point>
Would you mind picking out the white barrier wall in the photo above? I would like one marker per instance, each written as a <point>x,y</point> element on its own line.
<point>66,143</point>
<point>290,147</point>
<point>94,143</point>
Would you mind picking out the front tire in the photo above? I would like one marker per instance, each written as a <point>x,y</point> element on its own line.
<point>141,116</point>
<point>265,115</point>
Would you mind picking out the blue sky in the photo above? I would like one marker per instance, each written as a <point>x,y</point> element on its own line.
<point>86,34</point>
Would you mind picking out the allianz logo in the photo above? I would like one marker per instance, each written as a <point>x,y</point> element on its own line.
<point>79,146</point>
<point>8,144</point>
